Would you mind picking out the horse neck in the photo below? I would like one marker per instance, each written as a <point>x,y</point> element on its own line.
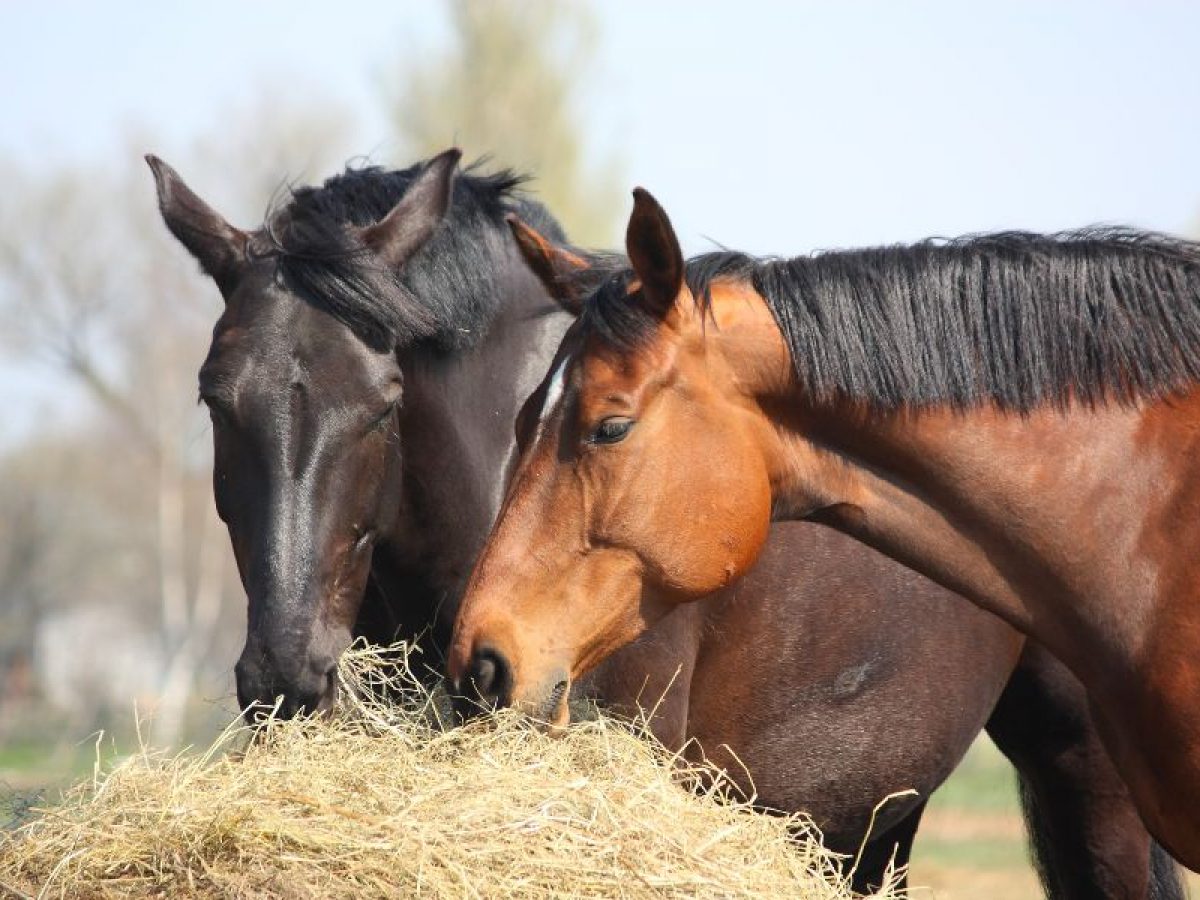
<point>457,441</point>
<point>1040,518</point>
<point>1079,527</point>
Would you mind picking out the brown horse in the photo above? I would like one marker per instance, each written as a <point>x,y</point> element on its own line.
<point>1016,416</point>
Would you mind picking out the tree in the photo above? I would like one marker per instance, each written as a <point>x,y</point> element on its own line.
<point>507,88</point>
<point>92,284</point>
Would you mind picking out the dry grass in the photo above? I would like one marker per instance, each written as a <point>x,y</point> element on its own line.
<point>379,801</point>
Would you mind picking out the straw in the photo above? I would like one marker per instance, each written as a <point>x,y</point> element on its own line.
<point>380,800</point>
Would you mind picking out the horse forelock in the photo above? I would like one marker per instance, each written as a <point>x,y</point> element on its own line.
<point>446,294</point>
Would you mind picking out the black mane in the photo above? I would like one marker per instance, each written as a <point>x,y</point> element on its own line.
<point>1015,319</point>
<point>446,294</point>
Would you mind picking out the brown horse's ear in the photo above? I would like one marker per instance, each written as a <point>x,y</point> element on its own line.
<point>414,219</point>
<point>218,246</point>
<point>554,266</point>
<point>654,252</point>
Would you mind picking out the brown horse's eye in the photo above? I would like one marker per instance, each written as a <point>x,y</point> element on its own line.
<point>611,430</point>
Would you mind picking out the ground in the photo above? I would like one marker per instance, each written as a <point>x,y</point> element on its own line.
<point>972,840</point>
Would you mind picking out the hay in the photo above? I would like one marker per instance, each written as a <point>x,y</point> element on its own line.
<point>379,801</point>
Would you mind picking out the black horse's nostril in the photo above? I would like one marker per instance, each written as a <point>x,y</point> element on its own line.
<point>255,713</point>
<point>490,676</point>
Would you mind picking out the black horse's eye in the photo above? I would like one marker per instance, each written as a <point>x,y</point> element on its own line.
<point>385,419</point>
<point>216,411</point>
<point>611,430</point>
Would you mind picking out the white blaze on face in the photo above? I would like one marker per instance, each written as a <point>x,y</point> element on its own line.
<point>554,393</point>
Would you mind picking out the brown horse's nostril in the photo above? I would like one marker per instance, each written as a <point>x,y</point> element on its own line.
<point>556,695</point>
<point>490,676</point>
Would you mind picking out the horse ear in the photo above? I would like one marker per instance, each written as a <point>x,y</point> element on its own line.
<point>218,246</point>
<point>555,266</point>
<point>414,219</point>
<point>654,252</point>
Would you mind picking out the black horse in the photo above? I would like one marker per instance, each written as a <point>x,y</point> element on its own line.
<point>379,336</point>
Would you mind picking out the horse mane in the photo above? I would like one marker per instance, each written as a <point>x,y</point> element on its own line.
<point>1015,319</point>
<point>447,293</point>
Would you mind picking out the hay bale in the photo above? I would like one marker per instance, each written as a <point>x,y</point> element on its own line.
<point>379,801</point>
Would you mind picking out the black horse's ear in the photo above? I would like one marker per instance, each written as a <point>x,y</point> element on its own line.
<point>413,220</point>
<point>654,252</point>
<point>556,267</point>
<point>218,246</point>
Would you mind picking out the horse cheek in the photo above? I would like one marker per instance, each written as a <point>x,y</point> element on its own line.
<point>747,532</point>
<point>724,545</point>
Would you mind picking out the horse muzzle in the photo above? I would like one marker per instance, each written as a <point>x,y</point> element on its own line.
<point>263,688</point>
<point>489,682</point>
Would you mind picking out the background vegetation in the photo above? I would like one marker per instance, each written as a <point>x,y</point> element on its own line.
<point>108,538</point>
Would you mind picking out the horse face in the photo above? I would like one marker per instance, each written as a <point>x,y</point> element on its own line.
<point>305,431</point>
<point>305,437</point>
<point>617,510</point>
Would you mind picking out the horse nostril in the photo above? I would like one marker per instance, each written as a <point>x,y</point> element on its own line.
<point>483,675</point>
<point>256,712</point>
<point>490,675</point>
<point>329,695</point>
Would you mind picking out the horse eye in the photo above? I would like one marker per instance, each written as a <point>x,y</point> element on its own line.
<point>383,421</point>
<point>216,411</point>
<point>612,430</point>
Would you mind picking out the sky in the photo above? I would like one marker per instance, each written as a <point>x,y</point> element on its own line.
<point>767,127</point>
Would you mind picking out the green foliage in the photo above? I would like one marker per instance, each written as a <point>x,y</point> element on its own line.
<point>983,782</point>
<point>974,818</point>
<point>507,88</point>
